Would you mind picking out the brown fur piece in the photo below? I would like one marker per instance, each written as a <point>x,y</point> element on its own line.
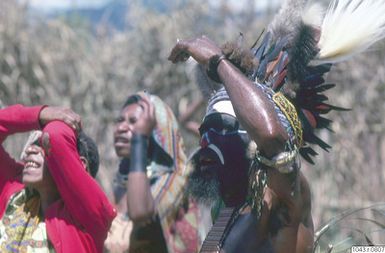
<point>242,58</point>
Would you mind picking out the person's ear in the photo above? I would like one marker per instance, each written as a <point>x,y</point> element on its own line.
<point>85,164</point>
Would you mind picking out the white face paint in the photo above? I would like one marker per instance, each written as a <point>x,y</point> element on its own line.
<point>224,106</point>
<point>218,152</point>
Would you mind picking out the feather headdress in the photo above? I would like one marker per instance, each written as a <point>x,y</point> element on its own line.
<point>299,47</point>
<point>350,27</point>
<point>318,41</point>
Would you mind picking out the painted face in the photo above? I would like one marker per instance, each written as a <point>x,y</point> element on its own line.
<point>203,183</point>
<point>35,171</point>
<point>123,129</point>
<point>223,157</point>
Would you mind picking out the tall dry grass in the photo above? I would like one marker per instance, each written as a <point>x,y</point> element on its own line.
<point>51,62</point>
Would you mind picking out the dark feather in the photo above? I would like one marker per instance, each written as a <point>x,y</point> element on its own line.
<point>303,50</point>
<point>277,49</point>
<point>306,153</point>
<point>261,72</point>
<point>324,87</point>
<point>309,117</point>
<point>283,62</point>
<point>316,140</point>
<point>323,122</point>
<point>257,40</point>
<point>260,51</point>
<point>319,69</point>
<point>326,108</point>
<point>311,81</point>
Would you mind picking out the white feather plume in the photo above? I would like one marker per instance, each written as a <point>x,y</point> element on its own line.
<point>313,15</point>
<point>350,27</point>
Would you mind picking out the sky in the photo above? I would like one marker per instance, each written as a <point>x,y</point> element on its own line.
<point>47,5</point>
<point>65,4</point>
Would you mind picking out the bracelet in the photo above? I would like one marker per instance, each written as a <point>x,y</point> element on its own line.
<point>212,70</point>
<point>138,157</point>
<point>283,162</point>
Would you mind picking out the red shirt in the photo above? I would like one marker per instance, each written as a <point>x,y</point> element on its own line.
<point>80,220</point>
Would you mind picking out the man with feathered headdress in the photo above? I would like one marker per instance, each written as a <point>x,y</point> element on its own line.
<point>265,116</point>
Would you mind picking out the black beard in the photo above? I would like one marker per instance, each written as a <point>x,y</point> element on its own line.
<point>204,190</point>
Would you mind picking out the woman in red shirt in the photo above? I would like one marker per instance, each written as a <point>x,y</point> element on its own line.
<point>48,202</point>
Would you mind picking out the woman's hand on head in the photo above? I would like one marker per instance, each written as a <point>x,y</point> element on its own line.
<point>147,122</point>
<point>69,117</point>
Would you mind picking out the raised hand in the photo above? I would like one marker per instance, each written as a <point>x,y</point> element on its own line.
<point>201,49</point>
<point>51,113</point>
<point>147,121</point>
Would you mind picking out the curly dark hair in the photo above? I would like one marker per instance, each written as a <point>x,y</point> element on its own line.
<point>88,149</point>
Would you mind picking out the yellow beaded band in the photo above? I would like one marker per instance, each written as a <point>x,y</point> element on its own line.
<point>291,114</point>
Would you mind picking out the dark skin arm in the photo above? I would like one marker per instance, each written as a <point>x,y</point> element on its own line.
<point>253,110</point>
<point>305,239</point>
<point>298,226</point>
<point>140,203</point>
<point>51,113</point>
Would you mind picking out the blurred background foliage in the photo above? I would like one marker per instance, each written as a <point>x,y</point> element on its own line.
<point>92,59</point>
